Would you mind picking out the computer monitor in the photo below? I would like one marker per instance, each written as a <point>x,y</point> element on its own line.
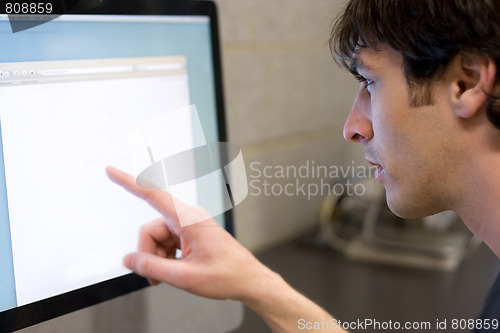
<point>72,91</point>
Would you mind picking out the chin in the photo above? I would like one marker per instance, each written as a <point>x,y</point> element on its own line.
<point>408,209</point>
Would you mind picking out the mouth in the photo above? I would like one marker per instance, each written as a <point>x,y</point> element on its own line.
<point>379,172</point>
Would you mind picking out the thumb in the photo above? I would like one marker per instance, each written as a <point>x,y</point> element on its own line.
<point>156,268</point>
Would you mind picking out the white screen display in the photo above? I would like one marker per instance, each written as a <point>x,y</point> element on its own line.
<point>70,226</point>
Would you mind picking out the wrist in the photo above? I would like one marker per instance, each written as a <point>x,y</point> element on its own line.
<point>265,290</point>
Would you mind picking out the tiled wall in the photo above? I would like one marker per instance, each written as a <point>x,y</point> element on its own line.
<point>286,101</point>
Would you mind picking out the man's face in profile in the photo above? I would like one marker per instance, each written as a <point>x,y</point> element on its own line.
<point>414,148</point>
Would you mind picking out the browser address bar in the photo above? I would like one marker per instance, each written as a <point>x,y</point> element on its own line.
<point>85,70</point>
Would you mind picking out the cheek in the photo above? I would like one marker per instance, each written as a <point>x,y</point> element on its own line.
<point>402,149</point>
<point>393,136</point>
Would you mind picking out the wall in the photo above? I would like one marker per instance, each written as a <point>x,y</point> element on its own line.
<point>286,102</point>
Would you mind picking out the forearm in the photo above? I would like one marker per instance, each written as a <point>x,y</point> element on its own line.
<point>286,310</point>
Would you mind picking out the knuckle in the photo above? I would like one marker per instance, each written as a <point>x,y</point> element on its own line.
<point>144,229</point>
<point>148,228</point>
<point>144,266</point>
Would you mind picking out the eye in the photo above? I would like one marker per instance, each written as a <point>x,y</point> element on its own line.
<point>366,82</point>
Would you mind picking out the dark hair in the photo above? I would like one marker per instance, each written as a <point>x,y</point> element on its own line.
<point>428,33</point>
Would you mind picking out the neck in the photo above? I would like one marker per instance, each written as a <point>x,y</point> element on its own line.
<point>479,205</point>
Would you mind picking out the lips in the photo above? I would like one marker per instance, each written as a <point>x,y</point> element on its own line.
<point>379,172</point>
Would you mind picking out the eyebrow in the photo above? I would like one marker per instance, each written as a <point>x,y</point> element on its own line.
<point>355,65</point>
<point>359,64</point>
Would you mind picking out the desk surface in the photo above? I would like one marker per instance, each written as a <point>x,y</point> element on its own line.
<point>353,290</point>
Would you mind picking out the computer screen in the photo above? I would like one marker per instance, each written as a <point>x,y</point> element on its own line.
<point>74,93</point>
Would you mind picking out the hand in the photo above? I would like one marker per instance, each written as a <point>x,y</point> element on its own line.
<point>213,263</point>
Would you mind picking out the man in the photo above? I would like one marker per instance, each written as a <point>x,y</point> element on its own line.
<point>428,115</point>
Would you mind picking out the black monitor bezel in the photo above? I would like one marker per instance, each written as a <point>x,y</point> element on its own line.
<point>34,313</point>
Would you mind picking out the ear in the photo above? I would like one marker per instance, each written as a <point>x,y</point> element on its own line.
<point>473,78</point>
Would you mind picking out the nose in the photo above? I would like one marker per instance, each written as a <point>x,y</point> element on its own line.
<point>358,126</point>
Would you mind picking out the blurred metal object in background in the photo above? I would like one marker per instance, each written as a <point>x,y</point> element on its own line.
<point>363,228</point>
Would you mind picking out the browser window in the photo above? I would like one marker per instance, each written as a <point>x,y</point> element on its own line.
<point>62,123</point>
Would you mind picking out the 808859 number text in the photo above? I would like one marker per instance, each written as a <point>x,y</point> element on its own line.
<point>28,8</point>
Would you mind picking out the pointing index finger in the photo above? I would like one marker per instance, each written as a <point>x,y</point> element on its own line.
<point>158,199</point>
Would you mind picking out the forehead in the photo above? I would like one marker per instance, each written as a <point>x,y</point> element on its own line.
<point>374,59</point>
